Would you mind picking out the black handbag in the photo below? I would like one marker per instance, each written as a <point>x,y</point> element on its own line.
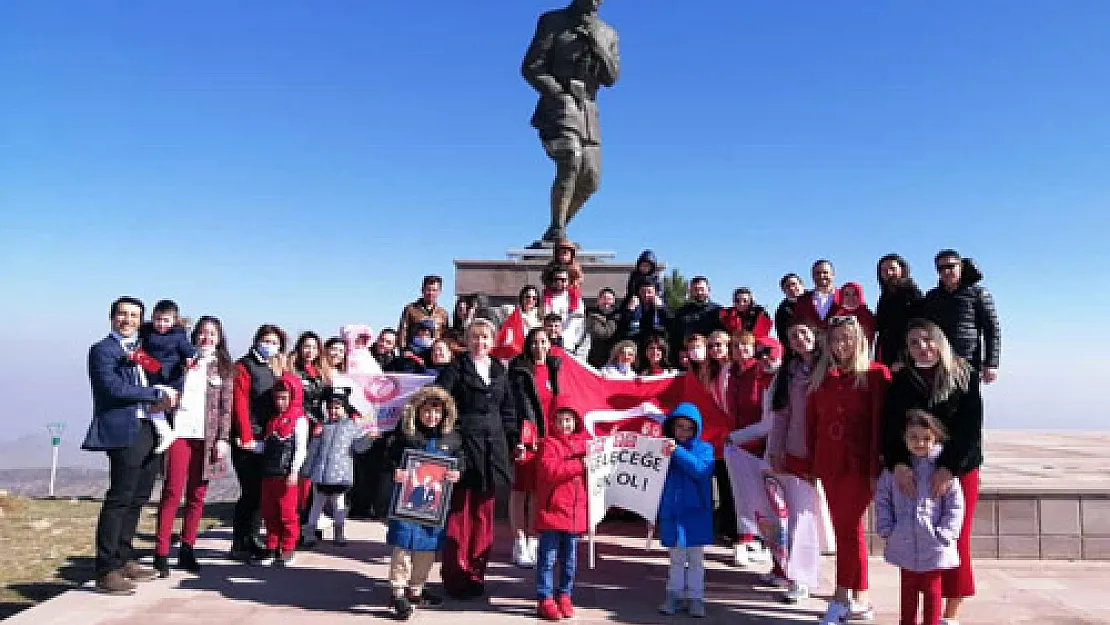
<point>277,456</point>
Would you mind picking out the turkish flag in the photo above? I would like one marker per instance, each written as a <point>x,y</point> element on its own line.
<point>509,341</point>
<point>636,405</point>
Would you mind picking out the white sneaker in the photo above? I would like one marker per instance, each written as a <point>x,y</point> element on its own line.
<point>757,554</point>
<point>796,593</point>
<point>520,554</point>
<point>836,614</point>
<point>165,435</point>
<point>739,555</point>
<point>697,608</point>
<point>533,551</point>
<point>860,612</point>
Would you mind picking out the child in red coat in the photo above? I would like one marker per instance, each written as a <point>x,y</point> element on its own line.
<point>561,514</point>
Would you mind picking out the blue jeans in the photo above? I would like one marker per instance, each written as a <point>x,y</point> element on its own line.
<point>556,545</point>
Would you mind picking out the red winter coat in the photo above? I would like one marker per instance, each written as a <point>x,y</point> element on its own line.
<point>561,498</point>
<point>746,384</point>
<point>843,423</point>
<point>754,320</point>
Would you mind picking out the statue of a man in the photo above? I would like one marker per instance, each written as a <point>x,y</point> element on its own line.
<point>571,56</point>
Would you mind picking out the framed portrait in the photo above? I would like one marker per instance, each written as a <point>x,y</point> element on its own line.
<point>425,494</point>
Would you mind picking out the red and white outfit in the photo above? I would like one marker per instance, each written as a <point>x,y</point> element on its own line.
<point>842,431</point>
<point>816,308</point>
<point>571,308</point>
<point>279,499</point>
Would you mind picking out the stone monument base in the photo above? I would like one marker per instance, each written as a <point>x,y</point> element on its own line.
<point>501,280</point>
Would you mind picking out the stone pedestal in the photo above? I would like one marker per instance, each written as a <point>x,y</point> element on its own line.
<point>501,280</point>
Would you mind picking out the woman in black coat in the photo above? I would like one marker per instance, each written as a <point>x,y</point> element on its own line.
<point>534,382</point>
<point>480,385</point>
<point>899,302</point>
<point>946,386</point>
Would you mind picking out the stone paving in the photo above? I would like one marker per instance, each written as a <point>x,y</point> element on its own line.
<point>346,585</point>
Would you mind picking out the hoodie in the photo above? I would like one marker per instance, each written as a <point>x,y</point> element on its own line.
<point>634,277</point>
<point>862,313</point>
<point>283,429</point>
<point>920,531</point>
<point>561,499</point>
<point>686,505</point>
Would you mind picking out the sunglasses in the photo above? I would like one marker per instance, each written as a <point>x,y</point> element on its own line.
<point>840,320</point>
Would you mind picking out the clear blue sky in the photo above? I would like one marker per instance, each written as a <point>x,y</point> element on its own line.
<point>307,162</point>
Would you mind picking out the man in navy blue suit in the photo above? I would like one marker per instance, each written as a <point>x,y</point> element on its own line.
<point>122,403</point>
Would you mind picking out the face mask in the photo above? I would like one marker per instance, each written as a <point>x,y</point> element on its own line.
<point>266,350</point>
<point>421,342</point>
<point>698,353</point>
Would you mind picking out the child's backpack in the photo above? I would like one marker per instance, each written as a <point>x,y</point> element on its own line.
<point>277,456</point>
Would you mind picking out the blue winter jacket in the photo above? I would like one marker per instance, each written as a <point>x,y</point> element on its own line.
<point>686,507</point>
<point>411,535</point>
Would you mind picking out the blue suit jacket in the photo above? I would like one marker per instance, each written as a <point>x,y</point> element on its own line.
<point>117,393</point>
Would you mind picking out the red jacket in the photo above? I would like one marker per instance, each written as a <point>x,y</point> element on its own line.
<point>561,497</point>
<point>745,398</point>
<point>843,422</point>
<point>805,310</point>
<point>755,320</point>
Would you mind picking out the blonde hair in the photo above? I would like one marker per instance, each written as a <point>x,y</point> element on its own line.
<point>480,323</point>
<point>860,362</point>
<point>953,372</point>
<point>429,395</point>
<point>614,354</point>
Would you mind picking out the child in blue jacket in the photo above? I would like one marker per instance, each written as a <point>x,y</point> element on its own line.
<point>686,509</point>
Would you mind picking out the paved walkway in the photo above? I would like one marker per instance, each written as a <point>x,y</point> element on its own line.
<point>336,586</point>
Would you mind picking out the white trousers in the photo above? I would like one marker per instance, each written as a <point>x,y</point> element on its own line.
<point>687,574</point>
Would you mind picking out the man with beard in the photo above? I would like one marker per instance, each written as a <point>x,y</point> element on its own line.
<point>384,349</point>
<point>697,316</point>
<point>899,301</point>
<point>792,288</point>
<point>601,324</point>
<point>426,307</point>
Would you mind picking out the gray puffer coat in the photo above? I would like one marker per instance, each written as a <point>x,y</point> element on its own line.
<point>330,460</point>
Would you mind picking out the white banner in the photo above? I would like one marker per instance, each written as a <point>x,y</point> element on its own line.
<point>626,470</point>
<point>381,398</point>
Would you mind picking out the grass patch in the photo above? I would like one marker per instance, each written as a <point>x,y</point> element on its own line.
<point>46,545</point>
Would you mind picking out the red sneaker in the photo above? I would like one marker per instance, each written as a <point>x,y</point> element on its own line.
<point>547,610</point>
<point>566,608</point>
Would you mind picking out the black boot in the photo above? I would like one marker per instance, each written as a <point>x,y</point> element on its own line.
<point>162,565</point>
<point>186,559</point>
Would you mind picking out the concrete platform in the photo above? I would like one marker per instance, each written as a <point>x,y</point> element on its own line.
<point>335,586</point>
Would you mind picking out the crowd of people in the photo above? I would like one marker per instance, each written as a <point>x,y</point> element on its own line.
<point>877,405</point>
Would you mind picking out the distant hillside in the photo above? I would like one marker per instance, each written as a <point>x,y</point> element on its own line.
<point>80,482</point>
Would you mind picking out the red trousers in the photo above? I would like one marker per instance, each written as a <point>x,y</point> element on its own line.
<point>184,475</point>
<point>960,581</point>
<point>279,513</point>
<point>848,496</point>
<point>304,490</point>
<point>469,539</point>
<point>915,585</point>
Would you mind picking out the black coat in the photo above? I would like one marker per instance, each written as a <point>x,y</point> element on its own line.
<point>485,413</point>
<point>964,315</point>
<point>525,397</point>
<point>897,305</point>
<point>695,318</point>
<point>602,328</point>
<point>961,414</point>
<point>784,318</point>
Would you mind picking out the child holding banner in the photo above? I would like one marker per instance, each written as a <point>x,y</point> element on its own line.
<point>686,509</point>
<point>562,513</point>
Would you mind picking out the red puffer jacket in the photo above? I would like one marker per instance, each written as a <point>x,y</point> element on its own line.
<point>561,481</point>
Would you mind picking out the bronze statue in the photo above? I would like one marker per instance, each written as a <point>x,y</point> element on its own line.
<point>571,56</point>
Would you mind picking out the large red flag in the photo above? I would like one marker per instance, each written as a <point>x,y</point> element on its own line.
<point>638,404</point>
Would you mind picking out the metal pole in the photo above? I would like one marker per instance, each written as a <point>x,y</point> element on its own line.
<point>53,468</point>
